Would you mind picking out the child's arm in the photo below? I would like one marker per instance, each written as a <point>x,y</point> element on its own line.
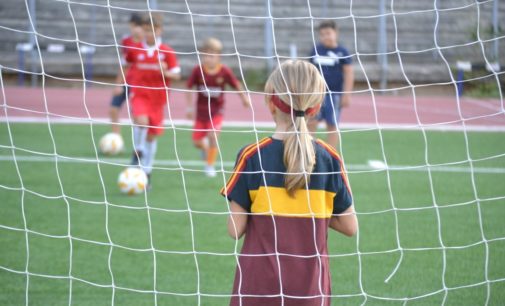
<point>191,83</point>
<point>346,223</point>
<point>237,221</point>
<point>126,61</point>
<point>348,84</point>
<point>170,67</point>
<point>173,74</point>
<point>243,96</point>
<point>120,80</point>
<point>190,112</point>
<point>234,82</point>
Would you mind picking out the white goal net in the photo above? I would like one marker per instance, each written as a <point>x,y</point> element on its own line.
<point>423,140</point>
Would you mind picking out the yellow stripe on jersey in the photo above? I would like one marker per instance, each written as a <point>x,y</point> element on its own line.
<point>306,203</point>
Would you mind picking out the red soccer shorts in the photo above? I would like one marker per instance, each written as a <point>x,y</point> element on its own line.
<point>201,127</point>
<point>152,106</point>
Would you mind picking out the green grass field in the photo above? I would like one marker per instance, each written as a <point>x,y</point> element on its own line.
<point>110,254</point>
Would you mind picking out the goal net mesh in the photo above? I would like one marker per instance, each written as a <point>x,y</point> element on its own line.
<point>423,141</point>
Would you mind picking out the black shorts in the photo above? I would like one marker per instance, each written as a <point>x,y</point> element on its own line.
<point>118,100</point>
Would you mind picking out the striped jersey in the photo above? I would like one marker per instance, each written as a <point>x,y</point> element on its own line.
<point>285,246</point>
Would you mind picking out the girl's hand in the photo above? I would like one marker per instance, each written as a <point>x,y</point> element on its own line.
<point>166,72</point>
<point>346,100</point>
<point>237,221</point>
<point>246,102</point>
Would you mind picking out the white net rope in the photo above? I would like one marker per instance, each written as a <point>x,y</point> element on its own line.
<point>283,31</point>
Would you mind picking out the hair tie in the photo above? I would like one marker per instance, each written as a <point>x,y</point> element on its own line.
<point>299,113</point>
<point>285,108</point>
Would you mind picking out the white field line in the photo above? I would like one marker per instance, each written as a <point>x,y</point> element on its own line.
<point>230,164</point>
<point>264,124</point>
<point>485,104</point>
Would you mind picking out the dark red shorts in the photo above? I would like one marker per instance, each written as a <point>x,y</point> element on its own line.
<point>201,128</point>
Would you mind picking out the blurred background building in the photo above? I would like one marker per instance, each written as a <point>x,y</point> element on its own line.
<point>397,41</point>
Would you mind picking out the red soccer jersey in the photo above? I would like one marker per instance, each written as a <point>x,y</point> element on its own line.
<point>127,44</point>
<point>148,76</point>
<point>212,88</point>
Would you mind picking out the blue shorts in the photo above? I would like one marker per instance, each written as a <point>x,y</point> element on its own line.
<point>118,100</point>
<point>330,110</point>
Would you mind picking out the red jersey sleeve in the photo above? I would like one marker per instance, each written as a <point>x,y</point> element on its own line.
<point>129,55</point>
<point>230,78</point>
<point>171,60</point>
<point>128,49</point>
<point>193,78</point>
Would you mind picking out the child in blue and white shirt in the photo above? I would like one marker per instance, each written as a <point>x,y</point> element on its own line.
<point>335,64</point>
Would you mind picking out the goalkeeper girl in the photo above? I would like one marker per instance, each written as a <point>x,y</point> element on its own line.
<point>286,191</point>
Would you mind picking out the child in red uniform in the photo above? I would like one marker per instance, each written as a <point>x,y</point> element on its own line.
<point>210,80</point>
<point>121,92</point>
<point>155,66</point>
<point>286,191</point>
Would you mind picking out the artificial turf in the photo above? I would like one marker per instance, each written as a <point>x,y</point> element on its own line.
<point>67,235</point>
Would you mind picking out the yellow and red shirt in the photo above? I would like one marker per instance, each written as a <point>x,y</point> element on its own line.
<point>285,243</point>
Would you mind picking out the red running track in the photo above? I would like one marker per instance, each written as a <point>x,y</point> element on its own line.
<point>365,110</point>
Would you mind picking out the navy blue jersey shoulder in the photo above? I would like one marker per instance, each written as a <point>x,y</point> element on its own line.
<point>262,165</point>
<point>331,61</point>
<point>266,167</point>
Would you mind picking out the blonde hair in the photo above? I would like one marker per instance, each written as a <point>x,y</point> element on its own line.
<point>212,45</point>
<point>299,85</point>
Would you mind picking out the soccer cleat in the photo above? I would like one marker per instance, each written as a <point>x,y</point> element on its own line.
<point>136,157</point>
<point>210,171</point>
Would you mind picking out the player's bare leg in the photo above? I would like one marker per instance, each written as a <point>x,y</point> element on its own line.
<point>332,137</point>
<point>199,144</point>
<point>119,97</point>
<point>212,152</point>
<point>114,119</point>
<point>202,145</point>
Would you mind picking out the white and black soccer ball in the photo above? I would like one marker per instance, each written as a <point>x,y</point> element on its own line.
<point>132,181</point>
<point>111,144</point>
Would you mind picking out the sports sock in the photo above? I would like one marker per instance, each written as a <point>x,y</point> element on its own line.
<point>150,152</point>
<point>211,155</point>
<point>139,138</point>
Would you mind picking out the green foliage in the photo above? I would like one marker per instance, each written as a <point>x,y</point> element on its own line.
<point>256,79</point>
<point>484,84</point>
<point>486,32</point>
<point>484,90</point>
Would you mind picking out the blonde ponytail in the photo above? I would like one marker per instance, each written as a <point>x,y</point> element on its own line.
<point>300,86</point>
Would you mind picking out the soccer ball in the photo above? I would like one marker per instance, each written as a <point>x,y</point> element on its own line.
<point>132,181</point>
<point>111,144</point>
